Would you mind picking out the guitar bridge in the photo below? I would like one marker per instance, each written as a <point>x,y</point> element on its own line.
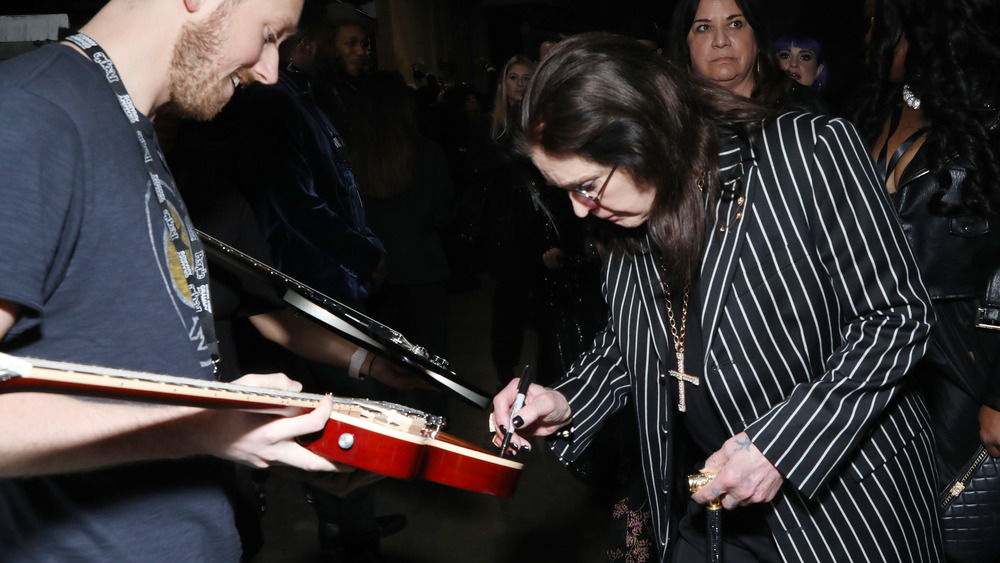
<point>400,417</point>
<point>432,425</point>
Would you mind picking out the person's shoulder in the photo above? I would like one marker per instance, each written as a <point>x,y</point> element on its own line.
<point>51,69</point>
<point>52,88</point>
<point>806,124</point>
<point>23,67</point>
<point>804,133</point>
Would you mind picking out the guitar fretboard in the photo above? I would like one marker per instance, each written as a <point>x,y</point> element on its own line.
<point>44,375</point>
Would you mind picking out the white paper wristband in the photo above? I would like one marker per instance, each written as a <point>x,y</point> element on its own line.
<point>357,360</point>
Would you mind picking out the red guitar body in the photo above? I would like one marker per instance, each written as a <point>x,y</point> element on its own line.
<point>380,437</point>
<point>442,459</point>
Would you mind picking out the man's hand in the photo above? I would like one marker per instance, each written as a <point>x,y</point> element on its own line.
<point>544,412</point>
<point>265,439</point>
<point>744,477</point>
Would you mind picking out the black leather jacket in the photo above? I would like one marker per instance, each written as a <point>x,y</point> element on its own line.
<point>957,255</point>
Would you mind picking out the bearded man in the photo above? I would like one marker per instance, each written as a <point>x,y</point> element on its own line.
<point>100,265</point>
<point>297,176</point>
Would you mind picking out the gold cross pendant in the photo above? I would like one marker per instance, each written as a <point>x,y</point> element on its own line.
<point>682,378</point>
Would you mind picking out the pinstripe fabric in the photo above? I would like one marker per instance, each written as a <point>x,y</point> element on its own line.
<point>812,313</point>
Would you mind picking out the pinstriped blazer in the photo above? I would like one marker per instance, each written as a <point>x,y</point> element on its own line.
<point>812,313</point>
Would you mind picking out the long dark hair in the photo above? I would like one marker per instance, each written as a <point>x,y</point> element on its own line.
<point>609,100</point>
<point>383,135</point>
<point>951,65</point>
<point>770,82</point>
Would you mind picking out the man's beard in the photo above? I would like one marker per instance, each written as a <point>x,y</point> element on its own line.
<point>194,89</point>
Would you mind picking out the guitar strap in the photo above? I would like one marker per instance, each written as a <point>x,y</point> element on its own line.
<point>187,253</point>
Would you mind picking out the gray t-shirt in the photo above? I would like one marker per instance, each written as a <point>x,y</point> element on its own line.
<point>85,250</point>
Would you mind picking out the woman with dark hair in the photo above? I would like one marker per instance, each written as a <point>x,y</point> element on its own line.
<point>728,42</point>
<point>763,311</point>
<point>930,115</point>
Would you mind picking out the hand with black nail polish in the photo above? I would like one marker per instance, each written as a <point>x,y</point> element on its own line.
<point>545,412</point>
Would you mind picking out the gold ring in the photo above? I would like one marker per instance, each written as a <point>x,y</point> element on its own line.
<point>493,427</point>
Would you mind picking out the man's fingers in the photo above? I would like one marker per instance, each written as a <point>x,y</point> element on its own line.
<point>731,503</point>
<point>716,462</point>
<point>278,381</point>
<point>298,456</point>
<point>516,444</point>
<point>287,451</point>
<point>308,423</point>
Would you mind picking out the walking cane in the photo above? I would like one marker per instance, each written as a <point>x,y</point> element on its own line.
<point>713,516</point>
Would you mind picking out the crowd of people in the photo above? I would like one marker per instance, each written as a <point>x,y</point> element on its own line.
<point>728,274</point>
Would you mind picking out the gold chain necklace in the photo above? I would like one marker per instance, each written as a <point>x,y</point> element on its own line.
<point>678,336</point>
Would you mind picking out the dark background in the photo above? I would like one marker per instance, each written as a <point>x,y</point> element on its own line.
<point>520,26</point>
<point>517,26</point>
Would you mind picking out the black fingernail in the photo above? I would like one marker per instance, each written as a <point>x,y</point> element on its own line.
<point>518,422</point>
<point>503,429</point>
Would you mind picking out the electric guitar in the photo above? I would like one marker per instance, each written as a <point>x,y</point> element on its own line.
<point>376,436</point>
<point>349,323</point>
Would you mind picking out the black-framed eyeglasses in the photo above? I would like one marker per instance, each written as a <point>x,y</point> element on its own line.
<point>580,191</point>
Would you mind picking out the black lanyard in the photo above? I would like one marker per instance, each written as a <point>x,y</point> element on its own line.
<point>188,256</point>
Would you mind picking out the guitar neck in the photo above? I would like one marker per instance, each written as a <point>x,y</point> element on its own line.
<point>349,323</point>
<point>284,282</point>
<point>24,374</point>
<point>375,436</point>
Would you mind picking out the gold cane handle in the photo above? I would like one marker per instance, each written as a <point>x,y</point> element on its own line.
<point>699,480</point>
